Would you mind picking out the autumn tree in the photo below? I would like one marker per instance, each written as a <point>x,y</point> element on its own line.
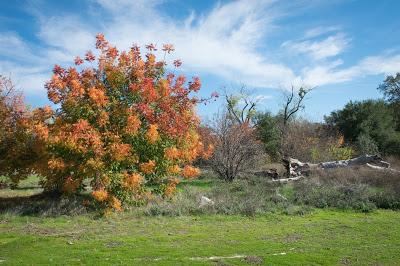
<point>123,123</point>
<point>17,143</point>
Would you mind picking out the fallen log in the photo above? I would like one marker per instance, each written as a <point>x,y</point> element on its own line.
<point>361,160</point>
<point>296,169</point>
<point>375,167</point>
<point>283,180</point>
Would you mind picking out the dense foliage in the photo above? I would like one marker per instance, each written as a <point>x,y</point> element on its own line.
<point>369,121</point>
<point>269,133</point>
<point>306,141</point>
<point>123,124</point>
<point>391,90</point>
<point>18,152</point>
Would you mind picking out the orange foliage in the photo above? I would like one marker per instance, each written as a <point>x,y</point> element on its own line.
<point>56,164</point>
<point>171,153</point>
<point>133,181</point>
<point>190,172</point>
<point>120,151</point>
<point>170,187</point>
<point>152,134</point>
<point>116,203</point>
<point>100,195</point>
<point>70,185</point>
<point>133,124</point>
<point>117,115</point>
<point>174,169</point>
<point>98,96</point>
<point>148,168</point>
<point>340,141</point>
<point>21,133</point>
<point>207,153</point>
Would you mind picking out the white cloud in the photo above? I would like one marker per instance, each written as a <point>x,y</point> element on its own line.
<point>227,41</point>
<point>387,64</point>
<point>317,31</point>
<point>328,47</point>
<point>67,34</point>
<point>28,78</point>
<point>263,97</point>
<point>13,46</point>
<point>223,42</point>
<point>19,61</point>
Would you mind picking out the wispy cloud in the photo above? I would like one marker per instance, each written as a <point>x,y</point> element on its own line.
<point>29,78</point>
<point>65,36</point>
<point>331,46</point>
<point>317,31</point>
<point>12,46</point>
<point>263,97</point>
<point>223,42</point>
<point>387,64</point>
<point>227,41</point>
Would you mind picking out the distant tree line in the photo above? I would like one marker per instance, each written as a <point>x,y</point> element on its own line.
<point>367,127</point>
<point>372,125</point>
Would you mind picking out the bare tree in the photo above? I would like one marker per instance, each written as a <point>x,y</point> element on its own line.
<point>293,103</point>
<point>241,106</point>
<point>237,148</point>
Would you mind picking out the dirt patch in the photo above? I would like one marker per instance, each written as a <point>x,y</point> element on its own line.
<point>256,260</point>
<point>33,229</point>
<point>291,238</point>
<point>113,244</point>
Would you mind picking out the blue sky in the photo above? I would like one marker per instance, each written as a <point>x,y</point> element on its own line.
<point>343,48</point>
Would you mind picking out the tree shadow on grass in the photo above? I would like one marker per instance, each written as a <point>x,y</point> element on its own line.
<point>46,204</point>
<point>26,188</point>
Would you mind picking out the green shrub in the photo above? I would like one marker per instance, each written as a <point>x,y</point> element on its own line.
<point>366,145</point>
<point>355,197</point>
<point>372,118</point>
<point>4,182</point>
<point>341,153</point>
<point>241,197</point>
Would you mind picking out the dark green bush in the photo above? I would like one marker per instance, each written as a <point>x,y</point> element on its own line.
<point>372,119</point>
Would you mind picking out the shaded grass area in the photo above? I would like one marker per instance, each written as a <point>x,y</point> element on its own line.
<point>324,237</point>
<point>28,199</point>
<point>26,187</point>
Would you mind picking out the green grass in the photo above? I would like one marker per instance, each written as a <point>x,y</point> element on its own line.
<point>324,237</point>
<point>204,184</point>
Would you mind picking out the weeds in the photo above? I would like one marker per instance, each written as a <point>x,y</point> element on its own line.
<point>249,197</point>
<point>359,189</point>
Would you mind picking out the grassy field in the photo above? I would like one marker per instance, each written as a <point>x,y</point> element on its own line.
<point>323,236</point>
